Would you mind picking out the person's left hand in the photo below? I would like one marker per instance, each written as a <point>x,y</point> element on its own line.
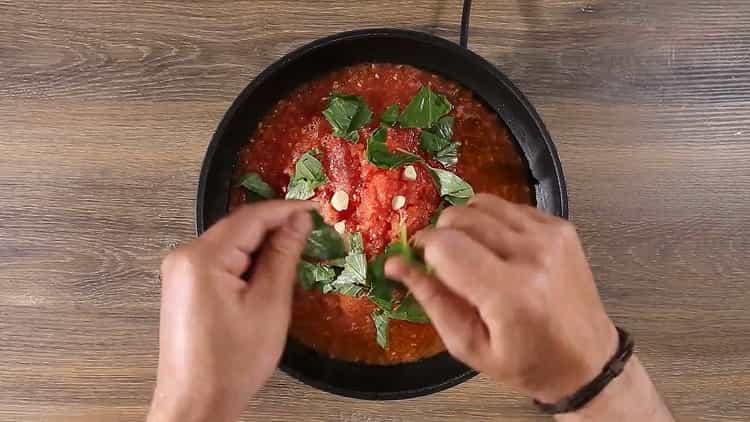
<point>220,336</point>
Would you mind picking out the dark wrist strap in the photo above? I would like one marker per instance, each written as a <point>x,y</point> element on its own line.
<point>612,369</point>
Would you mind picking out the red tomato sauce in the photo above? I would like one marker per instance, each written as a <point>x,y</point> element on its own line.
<point>340,326</point>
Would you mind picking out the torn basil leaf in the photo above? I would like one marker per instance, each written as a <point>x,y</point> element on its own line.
<point>379,155</point>
<point>408,254</point>
<point>389,118</point>
<point>347,289</point>
<point>381,292</point>
<point>424,109</point>
<point>410,310</point>
<point>324,242</point>
<point>436,214</point>
<point>452,188</point>
<point>308,176</point>
<point>346,114</point>
<point>314,275</point>
<point>338,262</point>
<point>448,156</point>
<point>401,246</point>
<point>432,143</point>
<point>444,127</point>
<point>256,188</point>
<point>436,141</point>
<point>440,149</point>
<point>380,320</point>
<point>355,263</point>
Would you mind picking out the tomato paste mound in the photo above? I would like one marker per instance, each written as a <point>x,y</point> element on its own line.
<point>337,325</point>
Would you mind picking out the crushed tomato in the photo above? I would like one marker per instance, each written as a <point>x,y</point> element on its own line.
<point>340,326</point>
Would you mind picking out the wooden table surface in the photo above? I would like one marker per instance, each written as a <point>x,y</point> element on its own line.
<point>106,108</point>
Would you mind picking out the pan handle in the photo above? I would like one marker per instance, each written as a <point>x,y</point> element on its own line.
<point>464,35</point>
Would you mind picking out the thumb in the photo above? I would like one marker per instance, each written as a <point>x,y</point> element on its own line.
<point>460,327</point>
<point>276,268</point>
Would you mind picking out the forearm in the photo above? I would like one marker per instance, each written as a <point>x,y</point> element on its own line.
<point>629,397</point>
<point>169,407</point>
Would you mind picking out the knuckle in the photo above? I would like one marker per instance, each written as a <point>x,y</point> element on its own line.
<point>463,346</point>
<point>450,217</point>
<point>181,260</point>
<point>441,247</point>
<point>479,198</point>
<point>542,257</point>
<point>533,294</point>
<point>422,287</point>
<point>565,230</point>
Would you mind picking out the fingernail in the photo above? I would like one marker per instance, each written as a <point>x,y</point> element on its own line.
<point>394,267</point>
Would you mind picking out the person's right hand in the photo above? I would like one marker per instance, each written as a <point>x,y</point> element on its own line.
<point>513,296</point>
<point>220,336</point>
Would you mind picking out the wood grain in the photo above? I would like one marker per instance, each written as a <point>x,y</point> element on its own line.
<point>106,109</point>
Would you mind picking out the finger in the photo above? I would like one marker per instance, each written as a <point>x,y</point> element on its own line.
<point>509,213</point>
<point>493,233</point>
<point>230,259</point>
<point>458,323</point>
<point>467,268</point>
<point>537,214</point>
<point>246,228</point>
<point>276,269</point>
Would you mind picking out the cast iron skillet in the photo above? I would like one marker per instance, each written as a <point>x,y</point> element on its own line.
<point>378,45</point>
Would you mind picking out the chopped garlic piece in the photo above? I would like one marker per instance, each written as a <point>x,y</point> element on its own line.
<point>398,202</point>
<point>340,200</point>
<point>410,173</point>
<point>340,227</point>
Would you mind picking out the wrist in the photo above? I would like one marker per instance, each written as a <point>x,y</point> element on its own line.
<point>630,396</point>
<point>575,373</point>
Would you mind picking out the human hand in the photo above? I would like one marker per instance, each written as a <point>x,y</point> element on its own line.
<point>513,296</point>
<point>221,337</point>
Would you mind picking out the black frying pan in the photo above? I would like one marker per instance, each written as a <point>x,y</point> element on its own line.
<point>394,46</point>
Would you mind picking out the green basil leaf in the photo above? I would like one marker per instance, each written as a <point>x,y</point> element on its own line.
<point>379,155</point>
<point>324,241</point>
<point>380,319</point>
<point>355,264</point>
<point>381,292</point>
<point>256,188</point>
<point>401,246</point>
<point>436,214</point>
<point>441,149</point>
<point>398,248</point>
<point>389,118</point>
<point>424,109</point>
<point>346,114</point>
<point>452,188</point>
<point>379,136</point>
<point>410,310</point>
<point>448,156</point>
<point>314,275</point>
<point>308,176</point>
<point>444,127</point>
<point>436,141</point>
<point>432,143</point>
<point>338,262</point>
<point>347,289</point>
<point>408,254</point>
<point>356,244</point>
